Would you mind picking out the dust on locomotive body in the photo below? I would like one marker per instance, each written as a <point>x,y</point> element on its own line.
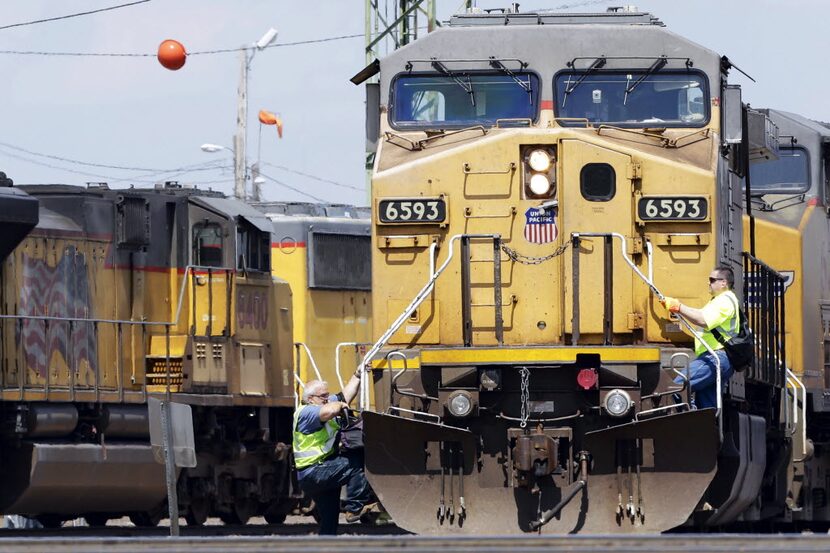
<point>118,296</point>
<point>538,179</point>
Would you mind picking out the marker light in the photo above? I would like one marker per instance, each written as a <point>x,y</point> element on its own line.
<point>618,403</point>
<point>460,403</point>
<point>587,378</point>
<point>539,184</point>
<point>539,160</point>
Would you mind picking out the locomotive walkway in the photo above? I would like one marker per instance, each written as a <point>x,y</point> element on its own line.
<point>791,543</point>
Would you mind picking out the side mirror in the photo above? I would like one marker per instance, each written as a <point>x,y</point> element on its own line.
<point>372,116</point>
<point>731,115</point>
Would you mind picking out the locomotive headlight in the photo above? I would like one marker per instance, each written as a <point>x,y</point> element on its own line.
<point>460,403</point>
<point>618,403</point>
<point>539,184</point>
<point>539,160</point>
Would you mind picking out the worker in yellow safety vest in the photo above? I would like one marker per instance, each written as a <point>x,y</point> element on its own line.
<point>721,313</point>
<point>322,468</point>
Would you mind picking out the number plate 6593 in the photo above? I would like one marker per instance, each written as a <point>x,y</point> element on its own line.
<point>415,210</point>
<point>673,208</point>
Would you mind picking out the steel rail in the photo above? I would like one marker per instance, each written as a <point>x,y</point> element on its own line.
<point>422,544</point>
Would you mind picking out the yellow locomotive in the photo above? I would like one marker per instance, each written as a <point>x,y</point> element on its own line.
<point>119,296</point>
<point>790,228</point>
<point>540,180</point>
<point>323,252</point>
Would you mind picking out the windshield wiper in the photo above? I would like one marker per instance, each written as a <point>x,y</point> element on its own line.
<point>655,67</point>
<point>496,64</point>
<point>598,64</point>
<point>468,86</point>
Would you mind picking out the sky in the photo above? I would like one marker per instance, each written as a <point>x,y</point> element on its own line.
<point>128,120</point>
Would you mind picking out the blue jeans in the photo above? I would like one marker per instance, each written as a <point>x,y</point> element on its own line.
<point>323,482</point>
<point>702,378</point>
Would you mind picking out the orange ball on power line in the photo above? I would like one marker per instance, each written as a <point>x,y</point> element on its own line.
<point>172,54</point>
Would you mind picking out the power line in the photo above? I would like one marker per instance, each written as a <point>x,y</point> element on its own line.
<point>297,190</point>
<point>320,179</point>
<point>207,166</point>
<point>198,53</point>
<point>72,15</point>
<point>77,162</point>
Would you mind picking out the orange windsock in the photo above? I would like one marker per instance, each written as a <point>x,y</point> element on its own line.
<point>268,118</point>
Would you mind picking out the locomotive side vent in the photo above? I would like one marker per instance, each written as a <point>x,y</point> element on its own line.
<point>132,222</point>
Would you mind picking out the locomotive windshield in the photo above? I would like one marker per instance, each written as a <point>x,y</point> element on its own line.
<point>633,98</point>
<point>789,174</point>
<point>463,99</point>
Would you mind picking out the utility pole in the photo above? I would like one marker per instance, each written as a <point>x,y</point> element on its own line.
<point>240,164</point>
<point>389,25</point>
<point>240,140</point>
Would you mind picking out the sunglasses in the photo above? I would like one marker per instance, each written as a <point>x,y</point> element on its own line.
<point>713,280</point>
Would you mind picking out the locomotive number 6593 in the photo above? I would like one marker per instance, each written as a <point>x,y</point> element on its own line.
<point>415,210</point>
<point>673,208</point>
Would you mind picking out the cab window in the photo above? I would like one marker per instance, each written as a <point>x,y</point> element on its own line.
<point>632,98</point>
<point>789,174</point>
<point>253,249</point>
<point>468,98</point>
<point>208,245</point>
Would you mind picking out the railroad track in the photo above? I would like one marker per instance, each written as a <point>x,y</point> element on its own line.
<point>418,544</point>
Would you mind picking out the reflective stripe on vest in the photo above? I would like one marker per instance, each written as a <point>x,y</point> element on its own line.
<point>310,449</point>
<point>731,333</point>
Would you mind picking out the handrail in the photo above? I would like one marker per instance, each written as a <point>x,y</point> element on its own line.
<point>303,345</point>
<point>791,375</point>
<point>337,358</point>
<point>173,322</point>
<point>131,323</point>
<point>418,300</point>
<point>296,392</point>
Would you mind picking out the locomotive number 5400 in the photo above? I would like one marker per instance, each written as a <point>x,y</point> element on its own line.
<point>672,208</point>
<point>416,210</point>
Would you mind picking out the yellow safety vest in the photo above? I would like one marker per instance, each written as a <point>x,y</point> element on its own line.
<point>728,327</point>
<point>310,449</point>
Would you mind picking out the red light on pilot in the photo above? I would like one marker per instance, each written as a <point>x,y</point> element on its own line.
<point>587,378</point>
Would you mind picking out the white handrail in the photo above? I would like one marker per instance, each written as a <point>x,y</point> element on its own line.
<point>419,298</point>
<point>296,392</point>
<point>792,375</point>
<point>337,357</point>
<point>310,358</point>
<point>789,429</point>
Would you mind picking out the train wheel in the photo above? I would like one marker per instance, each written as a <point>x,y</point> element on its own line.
<point>96,519</point>
<point>197,513</point>
<point>50,521</point>
<point>240,512</point>
<point>146,520</point>
<point>274,516</point>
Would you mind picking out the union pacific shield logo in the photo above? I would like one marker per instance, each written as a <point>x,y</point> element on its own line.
<point>540,225</point>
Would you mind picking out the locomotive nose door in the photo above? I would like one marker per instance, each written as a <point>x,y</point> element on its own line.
<point>595,197</point>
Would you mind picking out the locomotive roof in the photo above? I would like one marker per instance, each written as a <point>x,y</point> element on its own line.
<point>103,190</point>
<point>235,208</point>
<point>781,117</point>
<point>305,209</point>
<point>547,48</point>
<point>550,17</point>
